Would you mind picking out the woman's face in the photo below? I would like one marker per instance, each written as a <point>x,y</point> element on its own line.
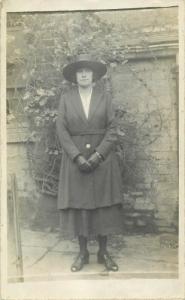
<point>84,77</point>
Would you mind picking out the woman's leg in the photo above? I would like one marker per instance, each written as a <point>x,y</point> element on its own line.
<point>103,255</point>
<point>102,241</point>
<point>83,256</point>
<point>82,244</point>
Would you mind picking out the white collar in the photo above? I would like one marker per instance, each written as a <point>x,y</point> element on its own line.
<point>86,99</point>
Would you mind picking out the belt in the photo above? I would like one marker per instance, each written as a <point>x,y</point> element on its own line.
<point>89,131</point>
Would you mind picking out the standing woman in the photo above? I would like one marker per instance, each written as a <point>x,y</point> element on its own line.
<point>89,195</point>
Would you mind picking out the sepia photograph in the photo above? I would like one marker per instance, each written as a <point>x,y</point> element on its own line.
<point>92,146</point>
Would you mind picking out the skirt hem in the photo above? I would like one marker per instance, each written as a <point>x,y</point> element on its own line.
<point>91,223</point>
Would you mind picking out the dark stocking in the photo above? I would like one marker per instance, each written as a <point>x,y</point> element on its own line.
<point>83,244</point>
<point>83,256</point>
<point>102,240</point>
<point>103,256</point>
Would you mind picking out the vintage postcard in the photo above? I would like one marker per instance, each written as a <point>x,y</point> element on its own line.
<point>92,149</point>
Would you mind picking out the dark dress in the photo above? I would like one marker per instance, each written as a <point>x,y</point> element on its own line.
<point>89,204</point>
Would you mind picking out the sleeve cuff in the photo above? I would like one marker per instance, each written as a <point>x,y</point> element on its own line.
<point>99,155</point>
<point>73,154</point>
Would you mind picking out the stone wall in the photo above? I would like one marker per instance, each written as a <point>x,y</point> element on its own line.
<point>154,109</point>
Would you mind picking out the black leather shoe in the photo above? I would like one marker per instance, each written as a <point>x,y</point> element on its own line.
<point>80,261</point>
<point>105,258</point>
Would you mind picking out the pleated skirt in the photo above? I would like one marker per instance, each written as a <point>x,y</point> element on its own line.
<point>90,223</point>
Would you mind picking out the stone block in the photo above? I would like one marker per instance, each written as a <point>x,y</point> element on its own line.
<point>143,186</point>
<point>139,204</point>
<point>133,214</point>
<point>168,229</point>
<point>144,204</point>
<point>128,222</point>
<point>141,222</point>
<point>48,42</point>
<point>137,194</point>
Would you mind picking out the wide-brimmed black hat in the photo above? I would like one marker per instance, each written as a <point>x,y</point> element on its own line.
<point>84,61</point>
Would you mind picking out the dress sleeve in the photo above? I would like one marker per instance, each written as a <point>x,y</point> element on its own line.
<point>63,133</point>
<point>109,139</point>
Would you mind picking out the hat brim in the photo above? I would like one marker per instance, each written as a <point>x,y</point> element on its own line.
<point>99,69</point>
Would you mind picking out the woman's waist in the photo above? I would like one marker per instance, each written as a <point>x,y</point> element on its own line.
<point>90,131</point>
<point>86,142</point>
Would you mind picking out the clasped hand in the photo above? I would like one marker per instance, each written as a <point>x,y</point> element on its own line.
<point>89,165</point>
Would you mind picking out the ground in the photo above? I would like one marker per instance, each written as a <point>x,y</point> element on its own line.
<point>47,256</point>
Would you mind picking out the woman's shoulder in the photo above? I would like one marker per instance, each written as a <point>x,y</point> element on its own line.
<point>105,92</point>
<point>68,92</point>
